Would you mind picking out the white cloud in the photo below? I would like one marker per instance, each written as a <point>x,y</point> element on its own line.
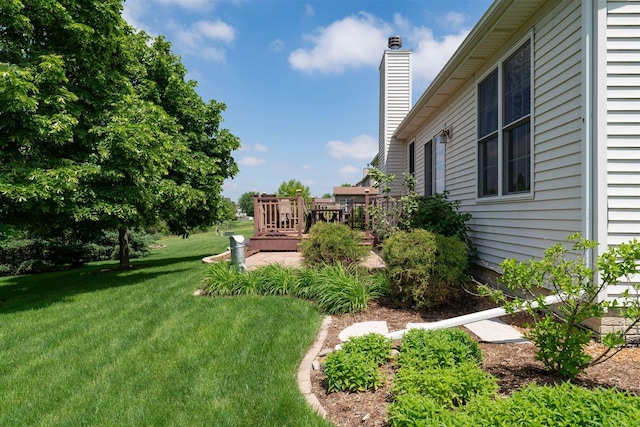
<point>251,161</point>
<point>305,167</point>
<point>261,148</point>
<point>349,171</point>
<point>349,43</point>
<point>454,20</point>
<point>431,54</point>
<point>205,39</point>
<point>196,35</point>
<point>362,147</point>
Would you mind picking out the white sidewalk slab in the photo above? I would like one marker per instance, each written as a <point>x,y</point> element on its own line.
<point>496,331</point>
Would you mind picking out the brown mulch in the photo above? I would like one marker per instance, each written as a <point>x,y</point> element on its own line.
<point>512,364</point>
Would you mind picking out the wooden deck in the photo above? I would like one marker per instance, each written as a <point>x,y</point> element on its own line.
<point>281,223</point>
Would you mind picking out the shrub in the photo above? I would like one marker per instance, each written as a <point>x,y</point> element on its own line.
<point>424,268</point>
<point>21,254</point>
<point>451,387</point>
<point>558,334</point>
<point>438,214</point>
<point>422,349</point>
<point>331,243</point>
<point>356,366</point>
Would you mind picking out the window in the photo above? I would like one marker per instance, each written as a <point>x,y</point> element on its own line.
<point>428,168</point>
<point>504,127</point>
<point>412,159</point>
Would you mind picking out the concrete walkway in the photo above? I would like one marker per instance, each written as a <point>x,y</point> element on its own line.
<point>294,259</point>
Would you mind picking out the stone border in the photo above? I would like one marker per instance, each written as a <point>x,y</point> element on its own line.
<point>216,258</point>
<point>304,371</point>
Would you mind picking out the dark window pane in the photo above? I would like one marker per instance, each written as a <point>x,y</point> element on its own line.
<point>517,84</point>
<point>488,105</point>
<point>412,159</point>
<point>488,167</point>
<point>428,168</point>
<point>517,159</point>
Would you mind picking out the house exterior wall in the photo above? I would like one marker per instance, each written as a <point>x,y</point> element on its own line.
<point>623,120</point>
<point>622,46</point>
<point>523,226</point>
<point>395,103</point>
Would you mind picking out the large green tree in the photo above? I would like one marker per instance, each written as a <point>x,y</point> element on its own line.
<point>246,202</point>
<point>289,188</point>
<point>98,127</point>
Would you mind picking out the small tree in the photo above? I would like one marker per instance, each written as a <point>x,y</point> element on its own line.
<point>288,189</point>
<point>558,333</point>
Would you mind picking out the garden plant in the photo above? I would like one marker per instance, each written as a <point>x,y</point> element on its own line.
<point>558,332</point>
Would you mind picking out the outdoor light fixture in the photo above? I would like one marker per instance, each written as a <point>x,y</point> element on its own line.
<point>443,136</point>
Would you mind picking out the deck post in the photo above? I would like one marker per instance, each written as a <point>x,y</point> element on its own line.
<point>300,211</point>
<point>366,208</point>
<point>256,215</point>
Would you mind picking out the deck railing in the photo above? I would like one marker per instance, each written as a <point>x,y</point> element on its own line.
<point>293,216</point>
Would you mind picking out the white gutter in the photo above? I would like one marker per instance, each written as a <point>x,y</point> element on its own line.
<point>467,318</point>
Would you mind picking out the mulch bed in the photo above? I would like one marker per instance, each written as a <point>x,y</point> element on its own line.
<point>513,365</point>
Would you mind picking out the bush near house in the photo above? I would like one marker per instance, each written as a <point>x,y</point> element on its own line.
<point>558,333</point>
<point>424,268</point>
<point>330,243</point>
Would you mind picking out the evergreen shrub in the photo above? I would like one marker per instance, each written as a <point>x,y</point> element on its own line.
<point>424,269</point>
<point>331,243</point>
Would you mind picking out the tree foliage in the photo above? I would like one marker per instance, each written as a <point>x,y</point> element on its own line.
<point>288,189</point>
<point>246,202</point>
<point>99,129</point>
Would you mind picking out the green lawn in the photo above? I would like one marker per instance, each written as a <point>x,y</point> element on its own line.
<point>95,347</point>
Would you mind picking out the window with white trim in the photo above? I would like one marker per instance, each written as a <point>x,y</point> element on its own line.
<point>504,127</point>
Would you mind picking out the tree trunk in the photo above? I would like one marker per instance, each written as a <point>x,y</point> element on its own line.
<point>123,242</point>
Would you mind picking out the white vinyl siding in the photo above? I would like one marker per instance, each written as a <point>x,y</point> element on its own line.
<point>623,121</point>
<point>623,125</point>
<point>523,228</point>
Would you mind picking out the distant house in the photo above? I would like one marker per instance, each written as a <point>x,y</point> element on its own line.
<point>354,194</point>
<point>533,125</point>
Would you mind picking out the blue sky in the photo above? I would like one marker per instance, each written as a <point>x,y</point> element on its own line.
<point>300,78</point>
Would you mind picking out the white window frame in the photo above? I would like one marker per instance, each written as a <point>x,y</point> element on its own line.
<point>503,127</point>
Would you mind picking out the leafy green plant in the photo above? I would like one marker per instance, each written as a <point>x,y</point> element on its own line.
<point>413,410</point>
<point>356,366</point>
<point>438,214</point>
<point>423,349</point>
<point>564,405</point>
<point>278,279</point>
<point>424,269</point>
<point>351,372</point>
<point>377,347</point>
<point>344,290</point>
<point>452,386</point>
<point>331,243</point>
<point>558,333</point>
<point>222,279</point>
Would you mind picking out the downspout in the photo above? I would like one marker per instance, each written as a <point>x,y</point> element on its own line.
<point>492,313</point>
<point>594,19</point>
<point>588,147</point>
